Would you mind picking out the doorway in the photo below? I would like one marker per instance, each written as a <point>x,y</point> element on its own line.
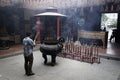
<point>109,23</point>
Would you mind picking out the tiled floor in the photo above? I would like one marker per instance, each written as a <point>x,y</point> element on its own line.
<point>11,49</point>
<point>12,68</point>
<point>112,48</point>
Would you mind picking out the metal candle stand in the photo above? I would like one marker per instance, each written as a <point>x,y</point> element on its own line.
<point>85,53</point>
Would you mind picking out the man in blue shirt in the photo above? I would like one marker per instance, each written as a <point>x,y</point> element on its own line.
<point>28,54</point>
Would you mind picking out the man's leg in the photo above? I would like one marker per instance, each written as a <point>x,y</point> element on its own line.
<point>30,65</point>
<point>26,65</point>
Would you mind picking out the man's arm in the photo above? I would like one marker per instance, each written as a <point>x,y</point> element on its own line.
<point>32,43</point>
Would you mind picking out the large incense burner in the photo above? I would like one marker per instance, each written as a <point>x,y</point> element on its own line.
<point>51,48</point>
<point>50,33</point>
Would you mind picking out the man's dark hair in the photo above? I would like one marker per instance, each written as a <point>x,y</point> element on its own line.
<point>28,34</point>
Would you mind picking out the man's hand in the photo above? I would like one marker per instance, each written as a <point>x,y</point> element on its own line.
<point>34,43</point>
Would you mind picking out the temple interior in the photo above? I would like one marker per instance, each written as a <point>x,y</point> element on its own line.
<point>90,29</point>
<point>89,22</point>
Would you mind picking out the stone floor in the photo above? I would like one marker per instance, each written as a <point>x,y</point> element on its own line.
<point>11,68</point>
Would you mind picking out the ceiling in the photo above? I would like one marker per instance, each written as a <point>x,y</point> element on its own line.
<point>43,4</point>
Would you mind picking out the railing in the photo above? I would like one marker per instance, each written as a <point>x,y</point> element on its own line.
<point>85,53</point>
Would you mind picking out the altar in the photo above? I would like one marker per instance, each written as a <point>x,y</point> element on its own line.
<point>94,35</point>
